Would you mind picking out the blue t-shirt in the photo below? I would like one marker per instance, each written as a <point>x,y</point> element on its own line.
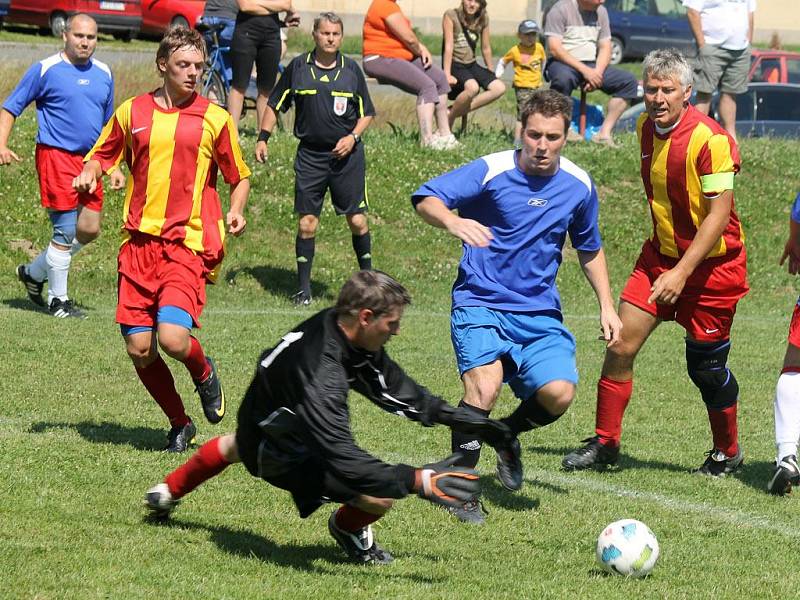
<point>796,209</point>
<point>529,218</point>
<point>73,102</point>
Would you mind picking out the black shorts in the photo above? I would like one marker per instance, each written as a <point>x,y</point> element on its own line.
<point>464,73</point>
<point>309,482</point>
<point>256,39</point>
<point>316,171</point>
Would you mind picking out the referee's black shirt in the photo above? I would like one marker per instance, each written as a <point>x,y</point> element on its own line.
<point>328,102</point>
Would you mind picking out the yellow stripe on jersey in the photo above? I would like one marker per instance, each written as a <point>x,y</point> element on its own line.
<point>721,160</point>
<point>698,205</point>
<point>162,136</point>
<point>661,205</point>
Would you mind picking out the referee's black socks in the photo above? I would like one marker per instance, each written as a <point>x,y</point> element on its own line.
<point>304,251</point>
<point>362,244</point>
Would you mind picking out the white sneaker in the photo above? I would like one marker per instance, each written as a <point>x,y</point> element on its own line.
<point>159,501</point>
<point>447,142</point>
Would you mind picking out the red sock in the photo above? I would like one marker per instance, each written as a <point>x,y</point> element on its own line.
<point>612,400</point>
<point>204,464</point>
<point>350,518</point>
<point>158,380</point>
<point>724,429</point>
<point>196,361</point>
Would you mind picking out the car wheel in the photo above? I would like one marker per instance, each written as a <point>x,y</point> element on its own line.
<point>617,50</point>
<point>58,23</point>
<point>179,21</point>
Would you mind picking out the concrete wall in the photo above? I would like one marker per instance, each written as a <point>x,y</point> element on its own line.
<point>772,16</point>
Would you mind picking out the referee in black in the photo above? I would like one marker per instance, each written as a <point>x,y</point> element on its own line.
<point>332,110</point>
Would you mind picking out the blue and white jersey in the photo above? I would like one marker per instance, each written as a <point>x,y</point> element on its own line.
<point>529,218</point>
<point>73,102</point>
<point>796,209</point>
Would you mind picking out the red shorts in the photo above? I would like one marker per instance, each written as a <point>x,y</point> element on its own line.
<point>57,168</point>
<point>794,326</point>
<point>154,272</point>
<point>708,301</point>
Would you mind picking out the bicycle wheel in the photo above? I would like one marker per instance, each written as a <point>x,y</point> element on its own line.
<point>213,88</point>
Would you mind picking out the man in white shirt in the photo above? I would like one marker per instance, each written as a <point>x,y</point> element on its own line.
<point>723,30</point>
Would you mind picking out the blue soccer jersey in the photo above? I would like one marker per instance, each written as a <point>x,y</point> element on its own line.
<point>529,217</point>
<point>796,209</point>
<point>73,102</point>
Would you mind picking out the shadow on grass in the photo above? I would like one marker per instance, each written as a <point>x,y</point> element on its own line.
<point>756,474</point>
<point>22,304</point>
<point>141,438</point>
<point>625,461</point>
<point>246,544</point>
<point>500,496</point>
<point>277,280</point>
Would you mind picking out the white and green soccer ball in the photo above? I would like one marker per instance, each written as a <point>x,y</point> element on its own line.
<point>628,548</point>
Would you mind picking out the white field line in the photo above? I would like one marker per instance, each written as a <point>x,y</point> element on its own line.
<point>724,515</point>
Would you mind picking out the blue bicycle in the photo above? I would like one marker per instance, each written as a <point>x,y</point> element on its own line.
<point>215,84</point>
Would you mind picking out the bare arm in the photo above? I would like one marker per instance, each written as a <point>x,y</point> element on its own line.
<point>448,32</point>
<point>265,7</point>
<point>603,55</point>
<point>6,124</point>
<point>669,285</point>
<point>346,144</point>
<point>696,26</point>
<point>596,272</point>
<point>750,29</point>
<point>434,212</point>
<point>268,122</point>
<point>400,29</point>
<point>235,217</point>
<point>557,51</point>
<point>486,48</point>
<point>792,248</point>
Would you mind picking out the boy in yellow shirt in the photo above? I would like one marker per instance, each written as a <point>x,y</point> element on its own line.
<point>528,58</point>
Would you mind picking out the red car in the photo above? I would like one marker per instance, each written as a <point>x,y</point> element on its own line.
<point>123,18</point>
<point>160,15</point>
<point>775,66</point>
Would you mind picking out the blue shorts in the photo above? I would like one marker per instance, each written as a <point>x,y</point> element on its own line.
<point>166,314</point>
<point>534,349</point>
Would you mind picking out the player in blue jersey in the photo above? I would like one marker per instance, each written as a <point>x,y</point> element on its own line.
<point>74,97</point>
<point>515,210</point>
<point>787,392</point>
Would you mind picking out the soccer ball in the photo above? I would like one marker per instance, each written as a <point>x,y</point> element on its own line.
<point>627,547</point>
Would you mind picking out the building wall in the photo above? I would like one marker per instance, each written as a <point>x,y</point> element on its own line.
<point>772,16</point>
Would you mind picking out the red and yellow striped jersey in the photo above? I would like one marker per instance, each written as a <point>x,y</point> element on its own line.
<point>682,171</point>
<point>173,156</point>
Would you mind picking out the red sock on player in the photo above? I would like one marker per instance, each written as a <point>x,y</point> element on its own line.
<point>196,361</point>
<point>203,465</point>
<point>612,400</point>
<point>724,429</point>
<point>157,379</point>
<point>349,518</point>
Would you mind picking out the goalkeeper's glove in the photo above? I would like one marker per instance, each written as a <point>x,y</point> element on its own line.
<point>447,485</point>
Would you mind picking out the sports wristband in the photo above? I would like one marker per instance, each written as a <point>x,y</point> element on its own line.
<point>264,135</point>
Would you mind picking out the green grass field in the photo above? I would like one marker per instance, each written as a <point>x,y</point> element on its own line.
<point>80,438</point>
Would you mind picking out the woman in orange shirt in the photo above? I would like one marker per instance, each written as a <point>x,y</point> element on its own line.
<point>394,55</point>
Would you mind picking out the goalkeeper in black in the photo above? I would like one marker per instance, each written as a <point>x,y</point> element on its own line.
<point>294,428</point>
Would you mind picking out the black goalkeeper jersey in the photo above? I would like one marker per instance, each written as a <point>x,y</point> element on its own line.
<point>298,400</point>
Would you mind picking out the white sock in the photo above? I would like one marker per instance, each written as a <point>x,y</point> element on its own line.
<point>38,267</point>
<point>57,272</point>
<point>76,247</point>
<point>787,414</point>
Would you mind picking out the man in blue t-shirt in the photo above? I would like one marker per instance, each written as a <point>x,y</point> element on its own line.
<point>74,97</point>
<point>515,209</point>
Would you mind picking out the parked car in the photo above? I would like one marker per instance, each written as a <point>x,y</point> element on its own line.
<point>775,66</point>
<point>639,26</point>
<point>160,15</point>
<point>766,109</point>
<point>123,18</point>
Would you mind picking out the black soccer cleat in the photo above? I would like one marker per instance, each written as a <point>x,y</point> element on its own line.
<point>32,287</point>
<point>360,546</point>
<point>471,512</point>
<point>594,454</point>
<point>301,298</point>
<point>65,309</point>
<point>212,396</point>
<point>180,437</point>
<point>159,501</point>
<point>787,474</point>
<point>509,465</point>
<point>717,464</point>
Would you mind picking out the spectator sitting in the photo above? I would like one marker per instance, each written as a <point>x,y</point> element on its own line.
<point>528,58</point>
<point>462,27</point>
<point>393,54</point>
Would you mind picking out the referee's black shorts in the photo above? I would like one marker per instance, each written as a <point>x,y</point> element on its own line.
<point>316,171</point>
<point>309,482</point>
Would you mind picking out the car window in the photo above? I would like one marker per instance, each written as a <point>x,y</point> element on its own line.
<point>778,105</point>
<point>793,70</point>
<point>630,6</point>
<point>769,70</point>
<point>669,8</point>
<point>744,106</point>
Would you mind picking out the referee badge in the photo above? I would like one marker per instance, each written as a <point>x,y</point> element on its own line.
<point>339,105</point>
